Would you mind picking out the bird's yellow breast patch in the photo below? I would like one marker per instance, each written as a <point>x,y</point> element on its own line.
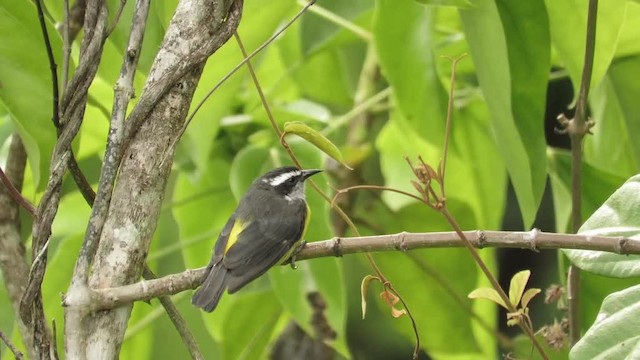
<point>237,228</point>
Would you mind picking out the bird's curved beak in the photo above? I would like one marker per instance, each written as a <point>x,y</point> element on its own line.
<point>310,172</point>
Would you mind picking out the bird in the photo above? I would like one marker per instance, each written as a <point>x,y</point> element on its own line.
<point>266,229</point>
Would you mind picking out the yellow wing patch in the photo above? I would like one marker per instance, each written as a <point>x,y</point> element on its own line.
<point>237,228</point>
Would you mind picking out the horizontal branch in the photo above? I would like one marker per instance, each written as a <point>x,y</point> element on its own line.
<point>108,298</point>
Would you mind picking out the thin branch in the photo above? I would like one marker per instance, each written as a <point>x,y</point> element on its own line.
<point>18,355</point>
<point>116,18</point>
<point>577,128</point>
<point>176,319</point>
<point>534,240</point>
<point>447,136</point>
<point>52,63</point>
<point>15,194</point>
<point>13,260</point>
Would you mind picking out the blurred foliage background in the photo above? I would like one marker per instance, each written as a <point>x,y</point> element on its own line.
<point>372,76</point>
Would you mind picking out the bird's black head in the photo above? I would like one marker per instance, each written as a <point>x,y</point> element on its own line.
<point>287,181</point>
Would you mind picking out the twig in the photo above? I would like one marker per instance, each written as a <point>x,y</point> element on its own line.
<point>577,128</point>
<point>52,63</point>
<point>176,319</point>
<point>13,262</point>
<point>78,176</point>
<point>15,194</point>
<point>108,298</point>
<point>13,349</point>
<point>116,18</point>
<point>447,136</point>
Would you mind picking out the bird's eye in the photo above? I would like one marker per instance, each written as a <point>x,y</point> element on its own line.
<point>291,180</point>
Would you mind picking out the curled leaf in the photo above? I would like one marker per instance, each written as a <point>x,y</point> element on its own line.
<point>487,294</point>
<point>318,140</point>
<point>392,299</point>
<point>364,286</point>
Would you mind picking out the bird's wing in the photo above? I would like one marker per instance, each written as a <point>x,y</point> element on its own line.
<point>261,245</point>
<point>221,243</point>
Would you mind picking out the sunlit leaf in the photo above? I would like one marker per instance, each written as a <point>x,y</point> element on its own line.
<point>487,294</point>
<point>518,283</point>
<point>528,295</point>
<point>314,137</point>
<point>26,84</point>
<point>515,97</point>
<point>455,3</point>
<point>619,216</point>
<point>614,335</point>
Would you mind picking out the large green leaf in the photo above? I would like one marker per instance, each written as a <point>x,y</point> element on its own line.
<point>568,20</point>
<point>316,31</point>
<point>622,74</point>
<point>614,335</point>
<point>473,177</point>
<point>612,147</point>
<point>598,185</point>
<point>404,39</point>
<point>619,216</point>
<point>514,95</point>
<point>26,81</point>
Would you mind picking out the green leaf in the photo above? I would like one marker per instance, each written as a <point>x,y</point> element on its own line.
<point>516,34</point>
<point>528,295</point>
<point>516,288</point>
<point>456,3</point>
<point>487,294</point>
<point>619,216</point>
<point>568,35</point>
<point>597,186</point>
<point>259,310</point>
<point>628,42</point>
<point>250,163</point>
<point>317,31</point>
<point>622,73</point>
<point>26,81</point>
<point>315,138</point>
<point>475,185</point>
<point>612,147</point>
<point>614,335</point>
<point>403,38</point>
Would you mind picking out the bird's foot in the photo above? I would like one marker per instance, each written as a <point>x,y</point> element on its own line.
<point>292,259</point>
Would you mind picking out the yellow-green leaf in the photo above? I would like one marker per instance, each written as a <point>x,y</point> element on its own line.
<point>318,140</point>
<point>518,283</point>
<point>487,294</point>
<point>528,295</point>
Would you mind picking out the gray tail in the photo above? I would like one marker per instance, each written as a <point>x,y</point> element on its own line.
<point>209,294</point>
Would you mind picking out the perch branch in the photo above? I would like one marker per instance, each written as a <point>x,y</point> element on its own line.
<point>108,298</point>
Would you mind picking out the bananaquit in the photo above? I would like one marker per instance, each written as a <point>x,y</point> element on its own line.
<point>265,230</point>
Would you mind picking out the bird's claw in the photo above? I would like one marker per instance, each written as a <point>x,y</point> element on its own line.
<point>292,259</point>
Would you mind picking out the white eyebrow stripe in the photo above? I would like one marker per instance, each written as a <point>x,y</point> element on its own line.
<point>280,179</point>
